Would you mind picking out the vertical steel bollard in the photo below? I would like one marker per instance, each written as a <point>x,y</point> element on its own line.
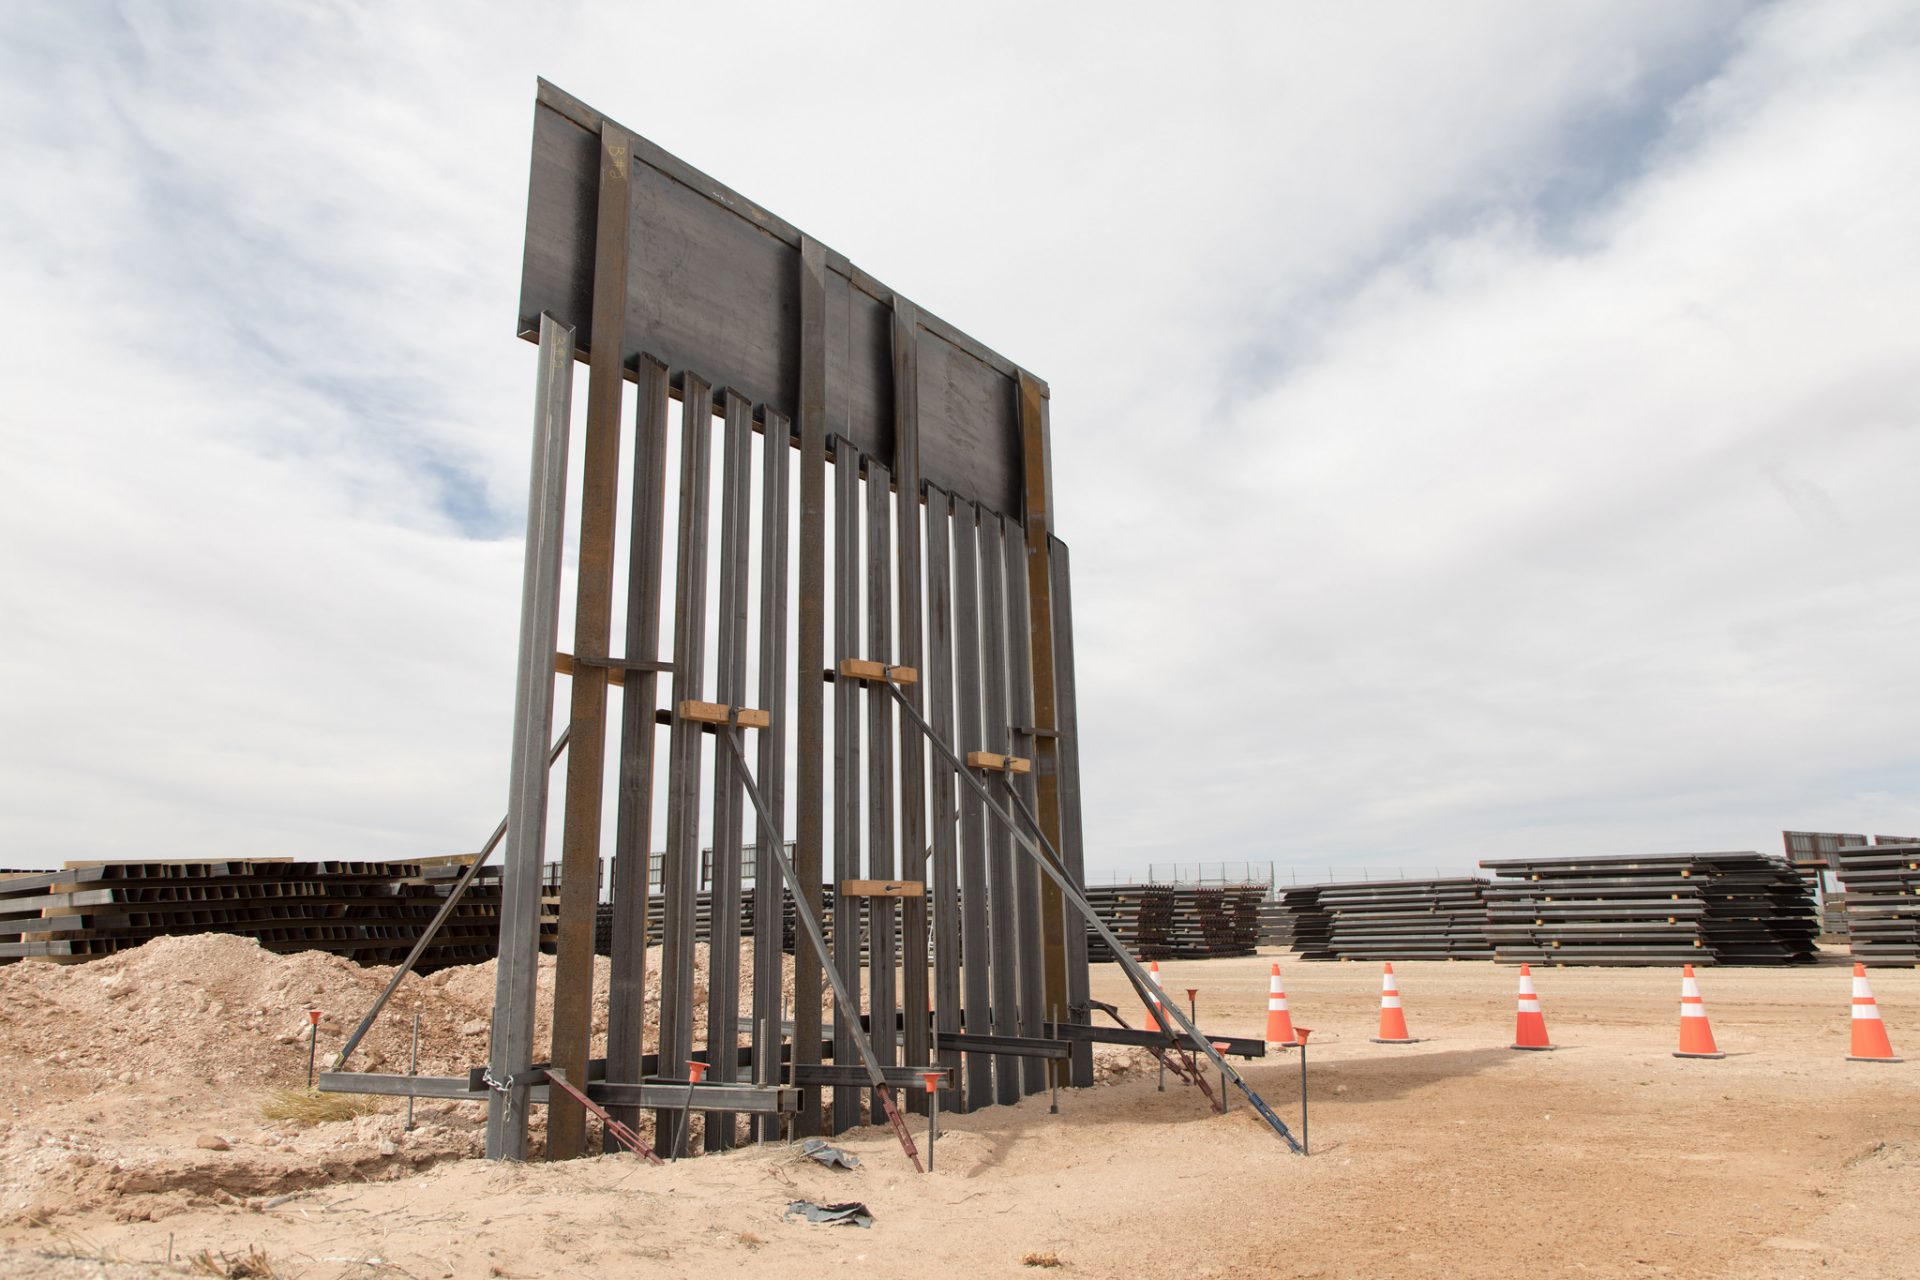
<point>413,1066</point>
<point>313,1041</point>
<point>696,1072</point>
<point>931,1079</point>
<point>1301,1034</point>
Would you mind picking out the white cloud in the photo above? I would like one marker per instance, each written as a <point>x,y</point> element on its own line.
<point>1480,427</point>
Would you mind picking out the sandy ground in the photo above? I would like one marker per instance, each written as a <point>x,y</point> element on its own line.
<point>1451,1157</point>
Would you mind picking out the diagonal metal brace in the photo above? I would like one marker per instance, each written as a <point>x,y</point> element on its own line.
<point>432,930</point>
<point>730,734</point>
<point>1048,858</point>
<point>625,1136</point>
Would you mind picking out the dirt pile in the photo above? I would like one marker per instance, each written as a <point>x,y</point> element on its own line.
<point>136,1082</point>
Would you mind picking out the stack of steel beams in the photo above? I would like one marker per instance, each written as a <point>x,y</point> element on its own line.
<point>1443,919</point>
<point>1140,915</point>
<point>1276,924</point>
<point>372,912</point>
<point>1215,921</point>
<point>1699,908</point>
<point>1311,929</point>
<point>1883,899</point>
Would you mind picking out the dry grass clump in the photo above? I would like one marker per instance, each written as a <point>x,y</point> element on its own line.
<point>1047,1259</point>
<point>251,1265</point>
<point>309,1106</point>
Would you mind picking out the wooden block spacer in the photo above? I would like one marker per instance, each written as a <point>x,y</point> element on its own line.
<point>994,762</point>
<point>862,669</point>
<point>719,713</point>
<point>883,889</point>
<point>563,666</point>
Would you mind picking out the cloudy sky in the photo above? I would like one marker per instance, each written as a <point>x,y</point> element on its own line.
<point>1482,428</point>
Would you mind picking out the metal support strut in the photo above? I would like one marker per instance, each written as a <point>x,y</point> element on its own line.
<point>844,1010</point>
<point>432,930</point>
<point>1043,852</point>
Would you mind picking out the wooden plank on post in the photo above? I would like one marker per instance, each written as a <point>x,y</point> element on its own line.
<point>693,711</point>
<point>994,762</point>
<point>1037,465</point>
<point>680,862</point>
<point>511,1053</point>
<point>846,766</point>
<point>729,798</point>
<point>976,952</point>
<point>563,665</point>
<point>883,946</point>
<point>769,896</point>
<point>633,821</point>
<point>883,888</point>
<point>944,910</point>
<point>592,628</point>
<point>917,1041</point>
<point>809,711</point>
<point>865,669</point>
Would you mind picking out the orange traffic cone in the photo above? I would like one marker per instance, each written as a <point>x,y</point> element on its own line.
<point>1279,1021</point>
<point>1529,1024</point>
<point>1696,1036</point>
<point>1393,1020</point>
<point>1870,1043</point>
<point>1154,1020</point>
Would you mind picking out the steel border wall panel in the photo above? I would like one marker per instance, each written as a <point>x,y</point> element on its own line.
<point>945,834</point>
<point>712,283</point>
<point>680,868</point>
<point>810,635</point>
<point>883,948</point>
<point>846,762</point>
<point>517,973</point>
<point>633,817</point>
<point>910,585</point>
<point>976,952</point>
<point>769,896</point>
<point>1003,921</point>
<point>1031,952</point>
<point>730,689</point>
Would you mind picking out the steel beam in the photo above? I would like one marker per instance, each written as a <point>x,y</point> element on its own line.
<point>519,952</point>
<point>809,711</point>
<point>680,864</point>
<point>730,687</point>
<point>769,913</point>
<point>633,822</point>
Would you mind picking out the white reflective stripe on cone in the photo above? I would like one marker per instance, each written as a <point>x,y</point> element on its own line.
<point>1389,1002</point>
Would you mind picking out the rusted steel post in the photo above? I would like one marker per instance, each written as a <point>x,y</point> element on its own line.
<point>593,620</point>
